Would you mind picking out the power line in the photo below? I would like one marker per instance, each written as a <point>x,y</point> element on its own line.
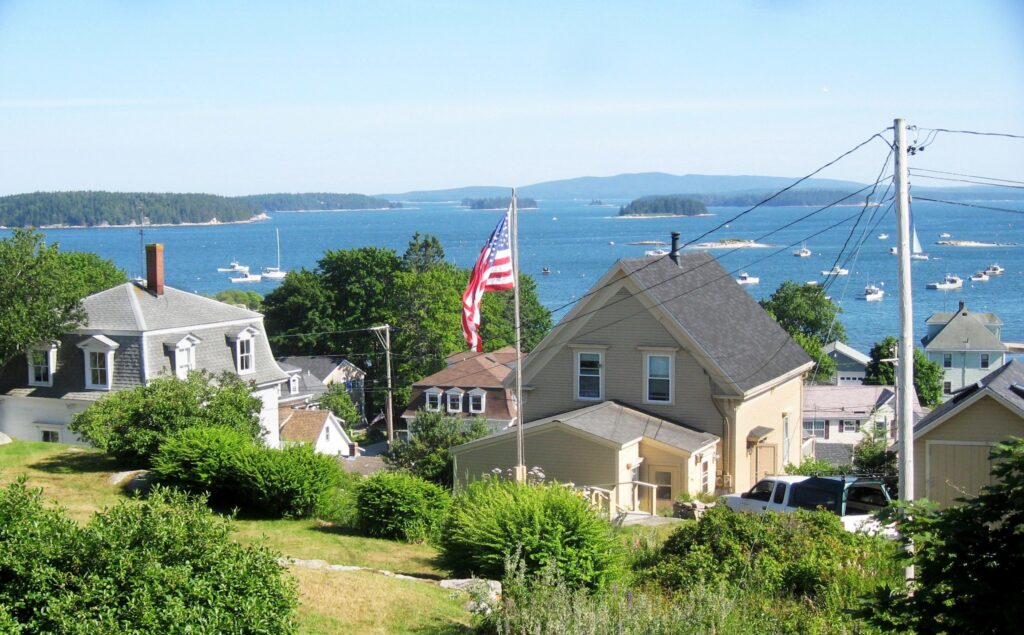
<point>995,209</point>
<point>973,132</point>
<point>947,178</point>
<point>969,176</point>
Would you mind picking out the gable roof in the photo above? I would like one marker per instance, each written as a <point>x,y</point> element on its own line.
<point>473,370</point>
<point>848,351</point>
<point>303,425</point>
<point>731,328</point>
<point>850,400</point>
<point>1005,383</point>
<point>130,307</point>
<point>619,424</point>
<point>965,331</point>
<point>320,366</point>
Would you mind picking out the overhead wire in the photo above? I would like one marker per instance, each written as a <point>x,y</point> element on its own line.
<point>974,205</point>
<point>969,176</point>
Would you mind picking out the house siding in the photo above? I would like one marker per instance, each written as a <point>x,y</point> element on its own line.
<point>767,410</point>
<point>624,325</point>
<point>984,422</point>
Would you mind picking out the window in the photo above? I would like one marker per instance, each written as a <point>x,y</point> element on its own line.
<point>454,400</point>
<point>327,433</point>
<point>477,400</point>
<point>664,482</point>
<point>433,399</point>
<point>849,425</point>
<point>808,497</point>
<point>780,494</point>
<point>815,428</point>
<point>99,361</point>
<point>984,360</point>
<point>40,365</point>
<point>947,388</point>
<point>245,351</point>
<point>588,375</point>
<point>98,371</point>
<point>785,439</point>
<point>762,491</point>
<point>184,361</point>
<point>659,378</point>
<point>293,385</point>
<point>51,436</point>
<point>245,356</point>
<point>947,360</point>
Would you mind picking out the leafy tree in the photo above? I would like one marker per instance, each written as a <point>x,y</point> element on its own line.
<point>89,273</point>
<point>249,299</point>
<point>824,366</point>
<point>131,424</point>
<point>338,401</point>
<point>968,560</point>
<point>803,308</point>
<point>927,374</point>
<point>119,208</point>
<point>872,454</point>
<point>423,252</point>
<point>497,317</point>
<point>426,453</point>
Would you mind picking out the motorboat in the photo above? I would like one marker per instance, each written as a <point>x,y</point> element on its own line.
<point>234,267</point>
<point>656,252</point>
<point>945,235</point>
<point>811,283</point>
<point>995,270</point>
<point>546,270</point>
<point>246,277</point>
<point>275,273</point>
<point>949,282</point>
<point>981,276</point>
<point>746,278</point>
<point>836,271</point>
<point>883,236</point>
<point>872,293</point>
<point>803,252</point>
<point>892,250</point>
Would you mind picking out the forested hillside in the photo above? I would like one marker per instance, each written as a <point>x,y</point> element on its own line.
<point>653,205</point>
<point>498,202</point>
<point>317,200</point>
<point>119,208</point>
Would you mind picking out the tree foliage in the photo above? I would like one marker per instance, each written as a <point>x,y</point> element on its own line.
<point>431,435</point>
<point>968,559</point>
<point>498,202</point>
<point>810,318</point>
<point>119,208</point>
<point>423,253</point>
<point>338,401</point>
<point>41,290</point>
<point>316,200</point>
<point>249,299</point>
<point>672,204</point>
<point>131,424</point>
<point>928,375</point>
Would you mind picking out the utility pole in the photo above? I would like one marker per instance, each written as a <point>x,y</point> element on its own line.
<point>905,354</point>
<point>385,340</point>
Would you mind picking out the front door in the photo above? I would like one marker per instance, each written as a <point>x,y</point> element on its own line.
<point>762,462</point>
<point>669,479</point>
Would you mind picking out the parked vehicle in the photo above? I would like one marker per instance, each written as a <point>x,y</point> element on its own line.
<point>854,499</point>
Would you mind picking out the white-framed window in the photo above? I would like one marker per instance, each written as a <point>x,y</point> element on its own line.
<point>433,399</point>
<point>815,428</point>
<point>984,360</point>
<point>477,400</point>
<point>589,375</point>
<point>785,439</point>
<point>50,436</point>
<point>183,353</point>
<point>327,433</point>
<point>245,350</point>
<point>42,361</point>
<point>947,388</point>
<point>454,400</point>
<point>293,385</point>
<point>657,378</point>
<point>99,361</point>
<point>849,425</point>
<point>947,360</point>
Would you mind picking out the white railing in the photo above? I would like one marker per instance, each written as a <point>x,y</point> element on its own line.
<point>606,497</point>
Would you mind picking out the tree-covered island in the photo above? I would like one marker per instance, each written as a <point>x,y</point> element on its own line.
<point>498,202</point>
<point>672,205</point>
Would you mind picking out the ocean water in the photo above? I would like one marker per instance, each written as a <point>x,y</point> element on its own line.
<point>579,242</point>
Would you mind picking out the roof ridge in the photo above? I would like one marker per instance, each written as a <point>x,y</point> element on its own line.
<point>133,302</point>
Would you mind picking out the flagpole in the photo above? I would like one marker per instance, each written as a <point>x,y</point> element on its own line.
<point>520,468</point>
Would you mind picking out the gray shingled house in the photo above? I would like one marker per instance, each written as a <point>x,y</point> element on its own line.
<point>966,343</point>
<point>667,373</point>
<point>136,332</point>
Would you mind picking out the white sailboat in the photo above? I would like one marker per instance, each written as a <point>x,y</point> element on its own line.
<point>275,273</point>
<point>916,253</point>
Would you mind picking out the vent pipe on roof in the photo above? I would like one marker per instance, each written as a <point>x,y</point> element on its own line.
<point>155,268</point>
<point>961,305</point>
<point>674,254</point>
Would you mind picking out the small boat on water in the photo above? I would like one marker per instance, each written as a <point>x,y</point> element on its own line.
<point>275,273</point>
<point>945,235</point>
<point>246,277</point>
<point>234,267</point>
<point>883,236</point>
<point>995,270</point>
<point>872,293</point>
<point>546,270</point>
<point>656,252</point>
<point>746,278</point>
<point>836,271</point>
<point>948,283</point>
<point>803,252</point>
<point>981,276</point>
<point>811,283</point>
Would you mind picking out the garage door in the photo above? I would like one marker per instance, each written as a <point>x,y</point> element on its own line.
<point>956,470</point>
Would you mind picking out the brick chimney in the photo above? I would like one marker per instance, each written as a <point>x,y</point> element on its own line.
<point>155,268</point>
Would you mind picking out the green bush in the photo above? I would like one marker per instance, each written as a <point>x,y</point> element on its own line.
<point>162,565</point>
<point>426,453</point>
<point>817,467</point>
<point>402,506</point>
<point>544,525</point>
<point>290,483</point>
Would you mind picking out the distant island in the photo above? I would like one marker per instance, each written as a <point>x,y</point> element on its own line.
<point>671,205</point>
<point>596,202</point>
<point>498,202</point>
<point>100,209</point>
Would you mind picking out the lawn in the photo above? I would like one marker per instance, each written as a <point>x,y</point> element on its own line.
<point>78,479</point>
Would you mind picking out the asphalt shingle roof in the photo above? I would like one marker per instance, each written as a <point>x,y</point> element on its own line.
<point>130,307</point>
<point>965,331</point>
<point>1007,381</point>
<point>320,366</point>
<point>728,324</point>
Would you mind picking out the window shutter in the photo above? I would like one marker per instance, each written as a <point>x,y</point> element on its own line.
<point>826,428</point>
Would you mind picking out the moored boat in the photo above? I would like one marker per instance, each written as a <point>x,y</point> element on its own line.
<point>275,273</point>
<point>981,276</point>
<point>836,271</point>
<point>949,282</point>
<point>872,293</point>
<point>803,252</point>
<point>234,267</point>
<point>746,278</point>
<point>246,277</point>
<point>995,270</point>
<point>883,236</point>
<point>656,252</point>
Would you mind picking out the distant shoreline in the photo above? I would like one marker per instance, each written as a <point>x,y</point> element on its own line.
<point>258,218</point>
<point>660,215</point>
<point>731,244</point>
<point>972,243</point>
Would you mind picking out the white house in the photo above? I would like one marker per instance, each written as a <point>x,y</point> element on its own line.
<point>851,364</point>
<point>968,345</point>
<point>319,428</point>
<point>136,332</point>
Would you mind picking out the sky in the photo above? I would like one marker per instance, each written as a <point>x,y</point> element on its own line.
<point>381,96</point>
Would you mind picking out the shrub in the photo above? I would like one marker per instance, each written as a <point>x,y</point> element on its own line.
<point>162,565</point>
<point>545,525</point>
<point>289,483</point>
<point>399,505</point>
<point>426,452</point>
<point>131,424</point>
<point>207,460</point>
<point>817,467</point>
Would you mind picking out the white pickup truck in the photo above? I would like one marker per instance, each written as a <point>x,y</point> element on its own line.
<point>854,499</point>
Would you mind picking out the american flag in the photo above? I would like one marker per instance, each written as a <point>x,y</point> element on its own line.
<point>493,272</point>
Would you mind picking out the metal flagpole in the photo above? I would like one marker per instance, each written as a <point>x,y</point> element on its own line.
<point>520,468</point>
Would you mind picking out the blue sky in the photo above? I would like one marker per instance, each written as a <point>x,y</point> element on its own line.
<point>245,97</point>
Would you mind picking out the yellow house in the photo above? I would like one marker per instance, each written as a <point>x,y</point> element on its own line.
<point>952,444</point>
<point>660,347</point>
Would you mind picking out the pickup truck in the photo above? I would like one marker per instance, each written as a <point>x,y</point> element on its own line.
<point>854,499</point>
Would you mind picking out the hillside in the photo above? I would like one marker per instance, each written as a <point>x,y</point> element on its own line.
<point>119,208</point>
<point>498,202</point>
<point>316,201</point>
<point>664,205</point>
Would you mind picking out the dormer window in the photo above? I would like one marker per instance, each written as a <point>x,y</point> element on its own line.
<point>433,399</point>
<point>477,400</point>
<point>41,362</point>
<point>245,356</point>
<point>455,400</point>
<point>184,355</point>
<point>99,361</point>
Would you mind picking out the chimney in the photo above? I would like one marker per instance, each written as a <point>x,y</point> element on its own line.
<point>674,254</point>
<point>155,268</point>
<point>961,309</point>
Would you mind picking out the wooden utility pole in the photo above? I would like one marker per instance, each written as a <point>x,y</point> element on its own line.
<point>905,354</point>
<point>385,340</point>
